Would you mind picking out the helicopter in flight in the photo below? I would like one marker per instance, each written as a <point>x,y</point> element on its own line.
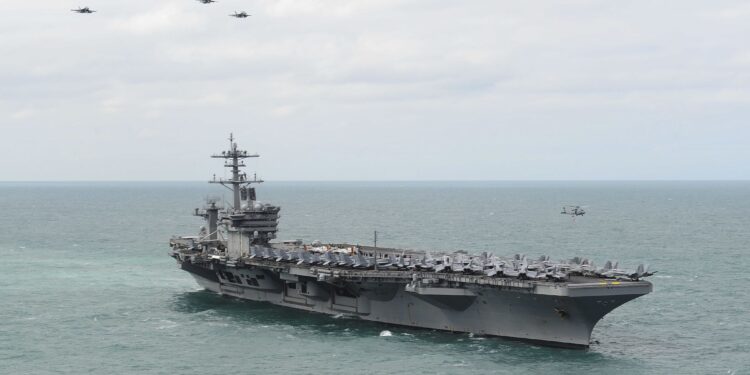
<point>83,10</point>
<point>573,211</point>
<point>239,15</point>
<point>206,1</point>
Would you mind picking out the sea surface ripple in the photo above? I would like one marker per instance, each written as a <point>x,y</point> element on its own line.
<point>87,287</point>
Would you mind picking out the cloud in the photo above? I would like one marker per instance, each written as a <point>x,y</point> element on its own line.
<point>169,17</point>
<point>484,89</point>
<point>325,8</point>
<point>22,114</point>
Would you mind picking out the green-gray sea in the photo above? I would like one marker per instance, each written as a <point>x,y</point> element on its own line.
<point>86,285</point>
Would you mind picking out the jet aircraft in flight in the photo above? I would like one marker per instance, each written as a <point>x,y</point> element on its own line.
<point>83,10</point>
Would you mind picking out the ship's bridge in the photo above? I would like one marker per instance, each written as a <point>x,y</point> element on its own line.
<point>259,219</point>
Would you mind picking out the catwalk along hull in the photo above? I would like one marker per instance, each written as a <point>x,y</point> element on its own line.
<point>547,313</point>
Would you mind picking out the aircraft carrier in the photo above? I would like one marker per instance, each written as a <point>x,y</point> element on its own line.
<point>555,303</point>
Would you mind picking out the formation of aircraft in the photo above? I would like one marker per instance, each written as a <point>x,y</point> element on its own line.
<point>86,10</point>
<point>83,10</point>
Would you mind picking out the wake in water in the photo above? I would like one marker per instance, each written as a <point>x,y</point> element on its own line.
<point>343,316</point>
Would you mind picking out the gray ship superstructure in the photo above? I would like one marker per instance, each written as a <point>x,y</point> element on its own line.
<point>550,302</point>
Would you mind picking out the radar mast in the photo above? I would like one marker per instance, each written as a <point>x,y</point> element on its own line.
<point>235,159</point>
<point>253,223</point>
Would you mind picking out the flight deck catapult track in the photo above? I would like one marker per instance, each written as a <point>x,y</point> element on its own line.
<point>553,303</point>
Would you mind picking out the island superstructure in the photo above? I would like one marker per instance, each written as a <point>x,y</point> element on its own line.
<point>554,303</point>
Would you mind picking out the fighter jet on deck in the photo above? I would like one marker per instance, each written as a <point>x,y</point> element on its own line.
<point>207,1</point>
<point>239,15</point>
<point>83,10</point>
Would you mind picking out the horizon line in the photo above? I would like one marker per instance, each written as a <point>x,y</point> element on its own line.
<point>394,181</point>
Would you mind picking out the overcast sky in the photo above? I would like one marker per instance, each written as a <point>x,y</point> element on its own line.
<point>376,89</point>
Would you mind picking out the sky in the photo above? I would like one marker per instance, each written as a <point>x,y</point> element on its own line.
<point>376,89</point>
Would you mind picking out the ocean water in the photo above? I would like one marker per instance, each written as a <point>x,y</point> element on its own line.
<point>86,285</point>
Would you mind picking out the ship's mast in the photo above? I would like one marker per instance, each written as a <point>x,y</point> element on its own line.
<point>234,159</point>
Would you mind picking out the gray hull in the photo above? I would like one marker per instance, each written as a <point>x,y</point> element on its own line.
<point>564,319</point>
